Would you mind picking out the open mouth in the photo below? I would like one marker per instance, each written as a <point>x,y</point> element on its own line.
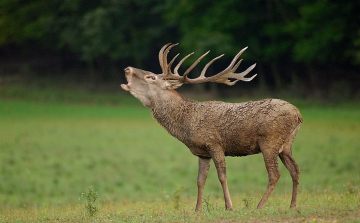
<point>128,75</point>
<point>126,87</point>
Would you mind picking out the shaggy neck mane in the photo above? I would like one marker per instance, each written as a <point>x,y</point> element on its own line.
<point>171,110</point>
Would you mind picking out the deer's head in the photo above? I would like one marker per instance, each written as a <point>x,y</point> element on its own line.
<point>144,84</point>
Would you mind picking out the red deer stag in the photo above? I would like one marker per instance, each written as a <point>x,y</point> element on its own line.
<point>213,129</point>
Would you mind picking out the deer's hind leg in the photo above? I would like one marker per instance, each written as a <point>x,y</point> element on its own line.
<point>272,167</point>
<point>290,164</point>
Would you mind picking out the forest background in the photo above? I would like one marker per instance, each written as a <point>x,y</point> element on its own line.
<point>307,49</point>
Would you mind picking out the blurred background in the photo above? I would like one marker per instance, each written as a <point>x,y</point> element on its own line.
<point>306,49</point>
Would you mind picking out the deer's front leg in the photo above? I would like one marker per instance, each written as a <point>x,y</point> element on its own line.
<point>204,165</point>
<point>218,157</point>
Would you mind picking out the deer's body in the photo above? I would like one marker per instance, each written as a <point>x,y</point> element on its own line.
<point>239,128</point>
<point>213,129</point>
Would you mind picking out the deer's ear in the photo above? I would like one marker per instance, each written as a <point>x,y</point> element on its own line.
<point>172,84</point>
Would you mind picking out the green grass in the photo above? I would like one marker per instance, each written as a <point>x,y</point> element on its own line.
<point>51,152</point>
<point>314,207</point>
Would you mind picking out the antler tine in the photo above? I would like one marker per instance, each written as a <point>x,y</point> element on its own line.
<point>161,56</point>
<point>194,64</point>
<point>208,64</point>
<point>181,61</point>
<point>236,66</point>
<point>227,76</point>
<point>172,61</point>
<point>244,73</point>
<point>167,51</point>
<point>236,76</point>
<point>167,66</point>
<point>231,65</point>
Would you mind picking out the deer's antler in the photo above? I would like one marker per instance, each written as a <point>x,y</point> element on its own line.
<point>227,76</point>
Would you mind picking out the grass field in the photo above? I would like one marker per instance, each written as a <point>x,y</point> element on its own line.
<point>53,151</point>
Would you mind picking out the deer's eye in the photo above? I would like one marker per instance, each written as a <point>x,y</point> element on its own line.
<point>152,77</point>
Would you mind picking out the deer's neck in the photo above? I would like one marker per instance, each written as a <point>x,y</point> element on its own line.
<point>172,111</point>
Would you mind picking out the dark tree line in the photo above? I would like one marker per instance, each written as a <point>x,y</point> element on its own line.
<point>311,45</point>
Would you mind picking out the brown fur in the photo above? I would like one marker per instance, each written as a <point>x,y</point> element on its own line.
<point>213,129</point>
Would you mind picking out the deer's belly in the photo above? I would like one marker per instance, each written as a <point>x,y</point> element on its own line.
<point>242,150</point>
<point>200,152</point>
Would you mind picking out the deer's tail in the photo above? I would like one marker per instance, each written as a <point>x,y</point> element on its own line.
<point>300,119</point>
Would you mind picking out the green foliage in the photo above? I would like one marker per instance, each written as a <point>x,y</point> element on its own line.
<point>286,38</point>
<point>322,30</point>
<point>351,189</point>
<point>94,30</point>
<point>111,29</point>
<point>177,197</point>
<point>309,30</point>
<point>24,21</point>
<point>247,202</point>
<point>201,31</point>
<point>208,207</point>
<point>91,197</point>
